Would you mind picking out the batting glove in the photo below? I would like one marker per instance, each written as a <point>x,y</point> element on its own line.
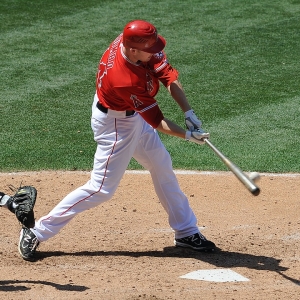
<point>191,120</point>
<point>197,136</point>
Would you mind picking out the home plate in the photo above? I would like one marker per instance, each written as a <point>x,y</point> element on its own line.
<point>218,275</point>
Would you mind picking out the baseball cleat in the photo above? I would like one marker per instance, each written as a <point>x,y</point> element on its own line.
<point>28,244</point>
<point>196,241</point>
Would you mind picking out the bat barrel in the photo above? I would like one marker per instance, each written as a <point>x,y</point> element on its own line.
<point>247,182</point>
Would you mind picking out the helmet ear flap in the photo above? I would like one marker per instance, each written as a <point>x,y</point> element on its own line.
<point>142,35</point>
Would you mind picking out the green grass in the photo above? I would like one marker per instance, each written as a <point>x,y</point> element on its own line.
<point>239,63</point>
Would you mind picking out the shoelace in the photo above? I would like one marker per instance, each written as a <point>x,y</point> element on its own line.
<point>32,242</point>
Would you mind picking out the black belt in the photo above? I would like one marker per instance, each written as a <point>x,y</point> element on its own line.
<point>105,110</point>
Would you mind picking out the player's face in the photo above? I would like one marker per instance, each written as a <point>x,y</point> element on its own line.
<point>143,56</point>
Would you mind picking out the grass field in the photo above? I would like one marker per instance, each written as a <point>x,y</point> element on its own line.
<point>239,63</point>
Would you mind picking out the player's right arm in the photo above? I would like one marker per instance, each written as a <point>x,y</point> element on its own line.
<point>168,127</point>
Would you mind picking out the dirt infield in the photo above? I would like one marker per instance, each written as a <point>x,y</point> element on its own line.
<point>124,249</point>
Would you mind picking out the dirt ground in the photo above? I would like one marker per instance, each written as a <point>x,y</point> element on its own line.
<point>124,248</point>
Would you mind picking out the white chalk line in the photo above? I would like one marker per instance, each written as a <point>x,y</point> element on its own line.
<point>215,173</point>
<point>145,172</point>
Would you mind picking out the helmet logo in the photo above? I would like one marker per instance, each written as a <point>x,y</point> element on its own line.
<point>159,55</point>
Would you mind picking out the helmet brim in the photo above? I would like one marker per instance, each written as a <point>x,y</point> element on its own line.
<point>158,46</point>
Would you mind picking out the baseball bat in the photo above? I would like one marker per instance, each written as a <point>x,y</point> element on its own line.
<point>246,181</point>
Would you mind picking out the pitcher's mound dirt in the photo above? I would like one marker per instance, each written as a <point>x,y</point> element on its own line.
<point>124,249</point>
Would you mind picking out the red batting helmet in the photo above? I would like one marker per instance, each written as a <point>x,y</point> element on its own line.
<point>143,36</point>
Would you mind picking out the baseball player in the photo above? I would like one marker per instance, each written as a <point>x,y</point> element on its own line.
<point>125,120</point>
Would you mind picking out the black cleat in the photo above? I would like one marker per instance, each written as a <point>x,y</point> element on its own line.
<point>28,244</point>
<point>196,241</point>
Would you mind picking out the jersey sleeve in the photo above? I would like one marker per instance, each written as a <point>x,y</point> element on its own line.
<point>163,70</point>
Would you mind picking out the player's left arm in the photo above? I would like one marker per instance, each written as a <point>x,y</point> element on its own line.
<point>178,94</point>
<point>169,78</point>
<point>191,120</point>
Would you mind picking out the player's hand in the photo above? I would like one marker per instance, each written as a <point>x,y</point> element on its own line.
<point>191,120</point>
<point>197,136</point>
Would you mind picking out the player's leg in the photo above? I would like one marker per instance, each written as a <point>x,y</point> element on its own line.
<point>116,141</point>
<point>152,154</point>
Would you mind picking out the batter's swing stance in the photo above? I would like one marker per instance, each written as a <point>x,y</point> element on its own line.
<point>125,119</point>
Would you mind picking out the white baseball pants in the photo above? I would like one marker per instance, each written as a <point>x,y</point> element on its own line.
<point>119,138</point>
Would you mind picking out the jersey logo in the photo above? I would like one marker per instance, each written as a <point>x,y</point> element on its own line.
<point>136,101</point>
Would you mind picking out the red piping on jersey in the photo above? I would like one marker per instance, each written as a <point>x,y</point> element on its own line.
<point>112,151</point>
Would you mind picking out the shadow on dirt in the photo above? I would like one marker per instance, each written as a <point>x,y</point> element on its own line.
<point>218,258</point>
<point>16,286</point>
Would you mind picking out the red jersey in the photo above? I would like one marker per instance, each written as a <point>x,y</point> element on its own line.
<point>124,85</point>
